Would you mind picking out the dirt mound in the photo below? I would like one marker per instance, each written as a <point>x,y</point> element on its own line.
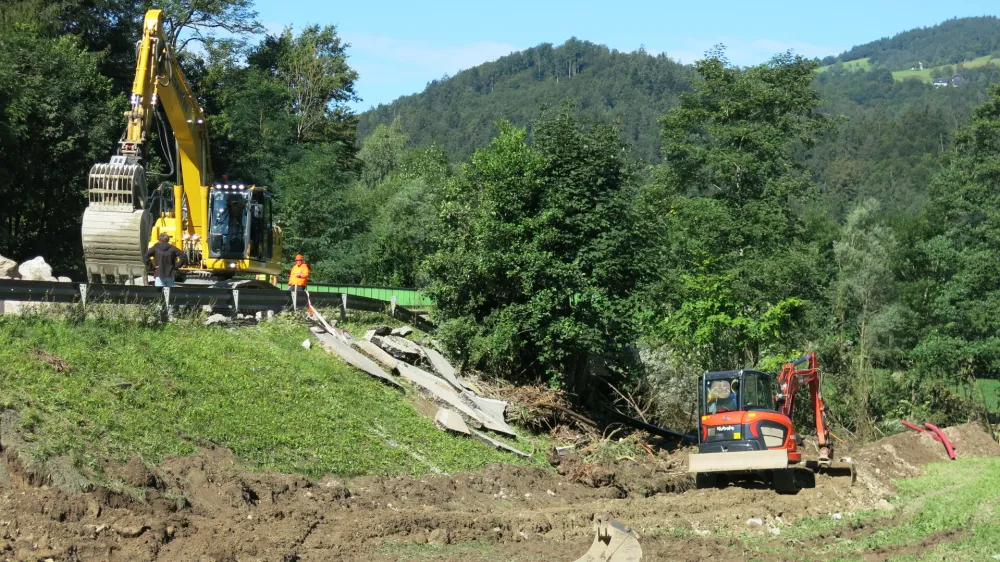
<point>904,455</point>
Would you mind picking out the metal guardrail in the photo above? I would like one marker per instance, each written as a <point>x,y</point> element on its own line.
<point>220,300</point>
<point>412,298</point>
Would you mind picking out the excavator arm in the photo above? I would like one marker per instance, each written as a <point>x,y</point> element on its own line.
<point>794,376</point>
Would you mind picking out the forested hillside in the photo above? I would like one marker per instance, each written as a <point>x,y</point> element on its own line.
<point>950,42</point>
<point>459,113</point>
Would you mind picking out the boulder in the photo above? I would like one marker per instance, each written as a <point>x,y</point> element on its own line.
<point>381,330</point>
<point>216,320</point>
<point>8,268</point>
<point>36,270</point>
<point>402,331</point>
<point>399,348</point>
<point>64,279</point>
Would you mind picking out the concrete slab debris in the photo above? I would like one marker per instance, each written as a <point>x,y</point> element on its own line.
<point>402,331</point>
<point>399,348</point>
<point>493,407</point>
<point>445,393</point>
<point>451,421</point>
<point>381,330</point>
<point>376,353</point>
<point>353,357</point>
<point>499,444</point>
<point>369,335</point>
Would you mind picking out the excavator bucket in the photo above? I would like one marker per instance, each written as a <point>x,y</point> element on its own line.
<point>116,225</point>
<point>613,542</point>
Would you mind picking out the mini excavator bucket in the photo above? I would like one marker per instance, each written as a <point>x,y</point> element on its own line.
<point>116,225</point>
<point>613,542</point>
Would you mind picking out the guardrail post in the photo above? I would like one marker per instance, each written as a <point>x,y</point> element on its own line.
<point>343,307</point>
<point>83,294</point>
<point>392,306</point>
<point>165,316</point>
<point>295,300</point>
<point>236,302</point>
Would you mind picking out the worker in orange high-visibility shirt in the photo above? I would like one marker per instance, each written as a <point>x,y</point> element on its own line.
<point>299,276</point>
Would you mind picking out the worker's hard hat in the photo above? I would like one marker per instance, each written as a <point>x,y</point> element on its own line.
<point>298,257</point>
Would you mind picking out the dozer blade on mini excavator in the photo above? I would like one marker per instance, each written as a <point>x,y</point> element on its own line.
<point>116,225</point>
<point>613,542</point>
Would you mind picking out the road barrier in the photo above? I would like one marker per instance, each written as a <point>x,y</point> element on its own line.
<point>218,299</point>
<point>411,298</point>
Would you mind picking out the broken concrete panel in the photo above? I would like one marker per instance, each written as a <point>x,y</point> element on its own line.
<point>442,367</point>
<point>493,407</point>
<point>376,353</point>
<point>381,330</point>
<point>399,348</point>
<point>444,392</point>
<point>451,421</point>
<point>402,331</point>
<point>498,444</point>
<point>216,319</point>
<point>353,357</point>
<point>369,335</point>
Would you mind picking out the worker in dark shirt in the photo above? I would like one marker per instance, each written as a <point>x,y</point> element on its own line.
<point>167,258</point>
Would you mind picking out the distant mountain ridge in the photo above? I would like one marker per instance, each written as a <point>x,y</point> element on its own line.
<point>949,42</point>
<point>459,113</point>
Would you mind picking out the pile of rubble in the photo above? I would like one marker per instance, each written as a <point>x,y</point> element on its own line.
<point>386,353</point>
<point>35,269</point>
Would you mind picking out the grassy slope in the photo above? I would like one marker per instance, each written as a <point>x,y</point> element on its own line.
<point>135,388</point>
<point>922,75</point>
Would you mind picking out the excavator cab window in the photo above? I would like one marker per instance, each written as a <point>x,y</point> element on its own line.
<point>260,225</point>
<point>758,391</point>
<point>228,231</point>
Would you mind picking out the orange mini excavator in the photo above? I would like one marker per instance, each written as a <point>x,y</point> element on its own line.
<point>745,430</point>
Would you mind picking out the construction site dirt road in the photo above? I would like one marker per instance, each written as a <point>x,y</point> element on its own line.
<point>206,507</point>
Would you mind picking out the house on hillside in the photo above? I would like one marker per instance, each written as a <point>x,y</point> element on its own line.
<point>957,80</point>
<point>939,82</point>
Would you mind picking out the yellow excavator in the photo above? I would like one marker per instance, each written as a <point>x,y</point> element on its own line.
<point>226,230</point>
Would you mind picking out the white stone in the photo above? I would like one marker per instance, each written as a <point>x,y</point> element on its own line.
<point>8,267</point>
<point>755,521</point>
<point>36,270</point>
<point>64,279</point>
<point>216,319</point>
<point>307,344</point>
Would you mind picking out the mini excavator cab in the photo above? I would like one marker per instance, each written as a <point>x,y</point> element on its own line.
<point>745,427</point>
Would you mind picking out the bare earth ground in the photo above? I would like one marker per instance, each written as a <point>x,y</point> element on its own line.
<point>206,507</point>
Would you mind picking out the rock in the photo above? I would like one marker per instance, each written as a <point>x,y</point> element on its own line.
<point>8,268</point>
<point>307,344</point>
<point>399,348</point>
<point>64,279</point>
<point>129,528</point>
<point>36,270</point>
<point>381,330</point>
<point>755,521</point>
<point>402,331</point>
<point>774,531</point>
<point>216,319</point>
<point>439,537</point>
<point>93,509</point>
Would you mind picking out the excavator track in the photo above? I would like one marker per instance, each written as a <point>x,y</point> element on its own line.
<point>116,225</point>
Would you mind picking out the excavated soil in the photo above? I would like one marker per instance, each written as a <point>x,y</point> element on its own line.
<point>207,508</point>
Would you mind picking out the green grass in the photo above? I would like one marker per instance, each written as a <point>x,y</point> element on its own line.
<point>136,388</point>
<point>986,389</point>
<point>858,64</point>
<point>959,497</point>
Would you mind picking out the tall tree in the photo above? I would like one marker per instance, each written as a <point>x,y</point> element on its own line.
<point>537,253</point>
<point>736,261</point>
<point>190,21</point>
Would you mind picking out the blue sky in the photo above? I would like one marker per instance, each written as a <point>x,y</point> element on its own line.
<point>397,47</point>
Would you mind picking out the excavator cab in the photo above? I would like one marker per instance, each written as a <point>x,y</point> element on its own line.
<point>240,223</point>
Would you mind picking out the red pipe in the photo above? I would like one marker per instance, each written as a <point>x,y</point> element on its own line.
<point>943,438</point>
<point>936,433</point>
